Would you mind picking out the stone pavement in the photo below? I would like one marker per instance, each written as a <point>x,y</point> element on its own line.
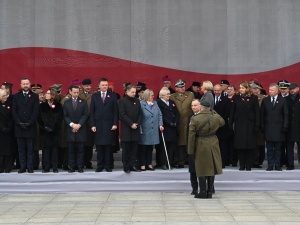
<point>151,208</point>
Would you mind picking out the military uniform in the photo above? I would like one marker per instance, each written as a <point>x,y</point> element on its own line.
<point>88,148</point>
<point>204,145</point>
<point>183,104</point>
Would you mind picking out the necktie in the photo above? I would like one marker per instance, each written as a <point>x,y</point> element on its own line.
<point>74,103</point>
<point>25,95</point>
<point>103,96</point>
<point>273,101</point>
<point>217,100</point>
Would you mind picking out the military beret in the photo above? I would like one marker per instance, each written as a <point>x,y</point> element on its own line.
<point>7,84</point>
<point>205,103</point>
<point>180,83</point>
<point>76,82</point>
<point>86,81</point>
<point>195,83</point>
<point>224,82</point>
<point>166,78</point>
<point>293,85</point>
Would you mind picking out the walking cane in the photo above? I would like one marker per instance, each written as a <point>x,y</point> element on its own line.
<point>163,138</point>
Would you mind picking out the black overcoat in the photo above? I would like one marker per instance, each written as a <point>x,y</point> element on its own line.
<point>78,116</point>
<point>50,116</point>
<point>103,115</point>
<point>170,116</point>
<point>6,129</point>
<point>294,118</point>
<point>25,111</point>
<point>245,120</point>
<point>223,109</point>
<point>130,112</point>
<point>274,119</point>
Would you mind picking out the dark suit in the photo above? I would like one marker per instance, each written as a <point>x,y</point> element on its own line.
<point>130,112</point>
<point>25,110</point>
<point>77,116</point>
<point>293,134</point>
<point>274,123</point>
<point>222,107</point>
<point>103,115</point>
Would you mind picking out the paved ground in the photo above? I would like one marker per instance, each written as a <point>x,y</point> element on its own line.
<point>226,208</point>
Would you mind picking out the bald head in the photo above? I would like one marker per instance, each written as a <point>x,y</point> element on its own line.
<point>217,90</point>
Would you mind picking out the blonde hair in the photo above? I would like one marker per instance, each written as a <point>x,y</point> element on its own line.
<point>147,94</point>
<point>207,85</point>
<point>247,86</point>
<point>164,91</point>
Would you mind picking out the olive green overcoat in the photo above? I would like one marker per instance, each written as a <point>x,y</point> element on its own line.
<point>204,144</point>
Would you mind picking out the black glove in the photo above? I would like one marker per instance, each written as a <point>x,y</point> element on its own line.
<point>5,130</point>
<point>284,130</point>
<point>23,126</point>
<point>172,124</point>
<point>48,129</point>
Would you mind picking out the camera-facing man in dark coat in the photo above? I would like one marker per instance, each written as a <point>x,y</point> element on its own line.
<point>75,114</point>
<point>25,111</point>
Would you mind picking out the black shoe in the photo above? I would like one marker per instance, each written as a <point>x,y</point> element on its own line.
<point>45,171</point>
<point>98,170</point>
<point>209,195</point>
<point>65,168</point>
<point>22,170</point>
<point>241,168</point>
<point>164,167</point>
<point>134,169</point>
<point>126,170</point>
<point>149,168</point>
<point>201,195</point>
<point>290,168</point>
<point>1,171</point>
<point>278,168</point>
<point>71,170</point>
<point>257,166</point>
<point>6,171</point>
<point>270,168</point>
<point>248,169</point>
<point>108,170</point>
<point>55,170</point>
<point>180,166</point>
<point>30,170</point>
<point>143,169</point>
<point>194,192</point>
<point>80,170</point>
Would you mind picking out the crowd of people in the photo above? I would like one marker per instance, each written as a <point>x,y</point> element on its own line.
<point>66,128</point>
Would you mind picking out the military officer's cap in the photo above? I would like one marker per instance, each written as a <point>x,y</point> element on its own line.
<point>205,103</point>
<point>283,84</point>
<point>255,84</point>
<point>86,81</point>
<point>180,83</point>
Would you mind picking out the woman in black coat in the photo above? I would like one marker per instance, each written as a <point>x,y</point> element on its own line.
<point>170,116</point>
<point>6,134</point>
<point>245,121</point>
<point>50,117</point>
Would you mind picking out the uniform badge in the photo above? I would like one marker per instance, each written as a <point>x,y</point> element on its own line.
<point>53,106</point>
<point>80,101</point>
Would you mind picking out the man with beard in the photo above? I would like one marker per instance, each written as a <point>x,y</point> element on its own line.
<point>25,111</point>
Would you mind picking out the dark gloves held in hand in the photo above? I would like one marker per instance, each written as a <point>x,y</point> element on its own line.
<point>48,129</point>
<point>173,124</point>
<point>24,126</point>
